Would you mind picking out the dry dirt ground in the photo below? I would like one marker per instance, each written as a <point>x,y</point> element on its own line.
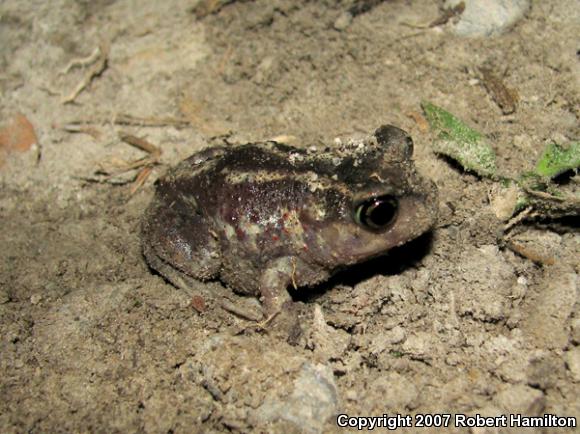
<point>94,341</point>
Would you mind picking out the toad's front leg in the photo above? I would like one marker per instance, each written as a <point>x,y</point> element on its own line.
<point>274,283</point>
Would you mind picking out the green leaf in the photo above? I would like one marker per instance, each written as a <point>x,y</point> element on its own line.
<point>458,141</point>
<point>557,159</point>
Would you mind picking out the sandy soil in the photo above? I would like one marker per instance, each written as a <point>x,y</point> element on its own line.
<point>94,341</point>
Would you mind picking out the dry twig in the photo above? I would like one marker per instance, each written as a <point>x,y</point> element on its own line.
<point>98,59</point>
<point>144,165</point>
<point>517,219</point>
<point>240,312</point>
<point>209,7</point>
<point>81,129</point>
<point>532,255</point>
<point>130,120</point>
<point>447,14</point>
<point>83,61</point>
<point>442,19</point>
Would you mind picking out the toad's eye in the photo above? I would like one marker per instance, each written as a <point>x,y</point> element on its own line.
<point>377,212</point>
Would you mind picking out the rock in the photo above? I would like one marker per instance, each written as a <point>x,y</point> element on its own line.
<point>521,399</point>
<point>384,341</point>
<point>543,370</point>
<point>394,392</point>
<point>396,335</point>
<point>343,21</point>
<point>488,17</point>
<point>325,341</point>
<point>547,322</point>
<point>504,200</point>
<point>419,346</point>
<point>478,299</point>
<point>576,331</point>
<point>313,400</point>
<point>4,297</point>
<point>572,359</point>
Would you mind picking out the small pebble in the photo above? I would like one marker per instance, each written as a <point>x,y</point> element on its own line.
<point>4,297</point>
<point>488,17</point>
<point>343,21</point>
<point>572,359</point>
<point>575,336</point>
<point>313,401</point>
<point>522,399</point>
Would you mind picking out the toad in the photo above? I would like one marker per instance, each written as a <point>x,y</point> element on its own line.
<point>263,216</point>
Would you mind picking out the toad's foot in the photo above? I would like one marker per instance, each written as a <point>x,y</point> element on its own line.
<point>274,282</point>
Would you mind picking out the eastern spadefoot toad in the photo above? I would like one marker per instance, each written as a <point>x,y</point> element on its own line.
<point>264,216</point>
